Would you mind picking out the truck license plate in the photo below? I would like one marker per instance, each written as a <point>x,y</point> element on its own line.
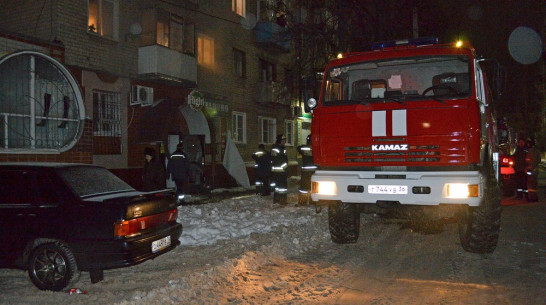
<point>161,244</point>
<point>388,189</point>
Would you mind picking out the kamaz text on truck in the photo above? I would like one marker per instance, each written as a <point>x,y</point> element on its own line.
<point>408,126</point>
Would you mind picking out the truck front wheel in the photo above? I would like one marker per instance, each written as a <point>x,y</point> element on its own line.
<point>479,226</point>
<point>344,222</point>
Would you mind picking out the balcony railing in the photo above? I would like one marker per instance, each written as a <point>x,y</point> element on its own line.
<point>272,36</point>
<point>159,63</point>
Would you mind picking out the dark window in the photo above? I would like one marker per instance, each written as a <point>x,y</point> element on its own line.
<point>268,71</point>
<point>106,122</point>
<point>239,63</point>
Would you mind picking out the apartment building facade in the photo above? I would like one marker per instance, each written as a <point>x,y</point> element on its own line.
<point>125,75</point>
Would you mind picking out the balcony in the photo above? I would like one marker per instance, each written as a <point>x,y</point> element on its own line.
<point>273,37</point>
<point>161,64</point>
<point>274,93</point>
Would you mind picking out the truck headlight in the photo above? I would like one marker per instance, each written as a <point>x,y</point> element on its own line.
<point>462,190</point>
<point>324,188</point>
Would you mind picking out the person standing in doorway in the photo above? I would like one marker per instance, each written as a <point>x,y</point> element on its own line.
<point>179,170</point>
<point>153,172</point>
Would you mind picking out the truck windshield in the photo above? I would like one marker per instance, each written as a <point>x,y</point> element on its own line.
<point>399,79</point>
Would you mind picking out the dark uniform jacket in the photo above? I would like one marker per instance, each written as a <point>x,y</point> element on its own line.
<point>263,163</point>
<point>179,166</point>
<point>279,158</point>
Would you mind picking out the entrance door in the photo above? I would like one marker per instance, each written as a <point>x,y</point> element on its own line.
<point>194,147</point>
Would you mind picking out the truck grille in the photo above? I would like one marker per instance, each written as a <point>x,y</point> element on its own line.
<point>415,153</point>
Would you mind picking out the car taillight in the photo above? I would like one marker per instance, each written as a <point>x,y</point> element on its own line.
<point>128,228</point>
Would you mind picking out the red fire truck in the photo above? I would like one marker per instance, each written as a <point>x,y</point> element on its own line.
<point>410,126</point>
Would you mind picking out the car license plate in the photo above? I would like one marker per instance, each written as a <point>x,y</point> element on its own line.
<point>388,189</point>
<point>161,244</point>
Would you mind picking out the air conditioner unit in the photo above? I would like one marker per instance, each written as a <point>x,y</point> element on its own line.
<point>142,95</point>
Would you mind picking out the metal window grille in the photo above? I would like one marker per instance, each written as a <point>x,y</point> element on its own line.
<point>106,122</point>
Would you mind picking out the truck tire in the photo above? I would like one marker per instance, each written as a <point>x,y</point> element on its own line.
<point>479,226</point>
<point>52,266</point>
<point>344,222</point>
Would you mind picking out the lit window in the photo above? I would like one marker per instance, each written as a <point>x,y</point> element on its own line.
<point>106,122</point>
<point>48,118</point>
<point>103,18</point>
<point>289,132</point>
<point>238,7</point>
<point>238,127</point>
<point>268,128</point>
<point>205,51</point>
<point>239,63</point>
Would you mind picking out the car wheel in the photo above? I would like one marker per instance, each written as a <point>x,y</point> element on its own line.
<point>479,226</point>
<point>52,266</point>
<point>343,222</point>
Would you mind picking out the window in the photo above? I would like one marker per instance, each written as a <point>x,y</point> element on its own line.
<point>103,18</point>
<point>47,118</point>
<point>268,128</point>
<point>239,63</point>
<point>238,127</point>
<point>268,71</point>
<point>289,132</point>
<point>171,31</point>
<point>106,122</point>
<point>239,7</point>
<point>205,50</point>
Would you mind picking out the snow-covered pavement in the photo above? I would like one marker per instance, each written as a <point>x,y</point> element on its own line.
<point>218,239</point>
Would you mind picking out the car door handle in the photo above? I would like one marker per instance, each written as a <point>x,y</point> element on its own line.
<point>31,215</point>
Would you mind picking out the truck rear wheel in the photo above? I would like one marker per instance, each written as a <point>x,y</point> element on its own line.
<point>344,222</point>
<point>479,226</point>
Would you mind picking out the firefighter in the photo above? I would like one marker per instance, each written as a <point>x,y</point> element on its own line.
<point>179,170</point>
<point>519,167</point>
<point>532,160</point>
<point>262,170</point>
<point>307,169</point>
<point>279,178</point>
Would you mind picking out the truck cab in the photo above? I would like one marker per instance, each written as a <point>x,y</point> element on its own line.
<point>410,123</point>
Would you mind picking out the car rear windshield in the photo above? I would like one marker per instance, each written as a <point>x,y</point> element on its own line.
<point>88,180</point>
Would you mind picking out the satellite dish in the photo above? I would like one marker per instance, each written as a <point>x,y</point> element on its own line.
<point>525,45</point>
<point>249,22</point>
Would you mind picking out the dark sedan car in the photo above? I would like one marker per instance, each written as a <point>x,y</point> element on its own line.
<point>59,219</point>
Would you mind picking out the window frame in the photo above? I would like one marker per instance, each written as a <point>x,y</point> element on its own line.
<point>239,63</point>
<point>107,112</point>
<point>75,113</point>
<point>239,7</point>
<point>100,19</point>
<point>202,57</point>
<point>236,135</point>
<point>272,132</point>
<point>270,70</point>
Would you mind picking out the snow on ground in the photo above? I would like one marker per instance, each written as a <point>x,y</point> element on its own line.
<point>241,216</point>
<point>223,244</point>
